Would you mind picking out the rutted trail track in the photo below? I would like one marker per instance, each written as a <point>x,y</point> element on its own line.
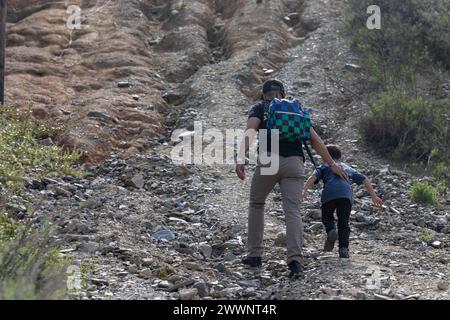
<point>211,58</point>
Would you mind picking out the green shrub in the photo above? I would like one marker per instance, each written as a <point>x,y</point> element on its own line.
<point>30,266</point>
<point>407,63</point>
<point>441,170</point>
<point>22,154</point>
<point>408,128</point>
<point>413,34</point>
<point>423,192</point>
<point>426,237</point>
<point>434,20</point>
<point>8,228</point>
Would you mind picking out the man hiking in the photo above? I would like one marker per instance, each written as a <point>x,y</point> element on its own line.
<point>290,177</point>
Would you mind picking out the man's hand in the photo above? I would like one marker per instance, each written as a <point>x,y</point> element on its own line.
<point>339,171</point>
<point>377,201</point>
<point>240,171</point>
<point>322,150</point>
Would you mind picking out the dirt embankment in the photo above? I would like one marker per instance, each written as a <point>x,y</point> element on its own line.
<point>113,81</point>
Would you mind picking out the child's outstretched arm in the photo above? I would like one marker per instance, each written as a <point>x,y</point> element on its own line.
<point>311,180</point>
<point>375,199</point>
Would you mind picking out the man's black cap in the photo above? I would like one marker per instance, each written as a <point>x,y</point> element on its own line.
<point>274,85</point>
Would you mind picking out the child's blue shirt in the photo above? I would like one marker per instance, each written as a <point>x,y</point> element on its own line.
<point>334,186</point>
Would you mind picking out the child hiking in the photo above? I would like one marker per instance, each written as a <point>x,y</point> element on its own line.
<point>337,196</point>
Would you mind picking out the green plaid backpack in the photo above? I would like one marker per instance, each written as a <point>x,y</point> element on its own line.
<point>292,121</point>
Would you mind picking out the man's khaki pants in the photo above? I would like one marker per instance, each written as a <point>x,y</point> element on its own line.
<point>290,176</point>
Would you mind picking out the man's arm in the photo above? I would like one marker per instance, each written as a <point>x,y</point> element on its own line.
<point>252,125</point>
<point>321,149</point>
<point>375,199</point>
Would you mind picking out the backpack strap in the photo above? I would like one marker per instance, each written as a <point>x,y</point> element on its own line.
<point>265,105</point>
<point>310,154</point>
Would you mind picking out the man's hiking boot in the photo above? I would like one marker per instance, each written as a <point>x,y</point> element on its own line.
<point>254,262</point>
<point>343,253</point>
<point>332,236</point>
<point>296,268</point>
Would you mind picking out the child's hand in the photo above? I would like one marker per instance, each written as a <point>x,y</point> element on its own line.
<point>377,201</point>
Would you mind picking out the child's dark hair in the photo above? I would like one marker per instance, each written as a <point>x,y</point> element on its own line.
<point>334,151</point>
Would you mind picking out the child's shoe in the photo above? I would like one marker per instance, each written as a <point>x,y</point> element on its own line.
<point>343,253</point>
<point>332,236</point>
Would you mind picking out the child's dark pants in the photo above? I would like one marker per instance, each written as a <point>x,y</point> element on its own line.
<point>343,206</point>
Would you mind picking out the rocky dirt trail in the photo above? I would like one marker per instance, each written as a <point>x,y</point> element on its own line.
<point>142,227</point>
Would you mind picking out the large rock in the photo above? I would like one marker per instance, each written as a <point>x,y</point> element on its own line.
<point>443,285</point>
<point>205,249</point>
<point>163,234</point>
<point>280,240</point>
<point>138,181</point>
<point>189,294</point>
<point>202,288</point>
<point>146,273</point>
